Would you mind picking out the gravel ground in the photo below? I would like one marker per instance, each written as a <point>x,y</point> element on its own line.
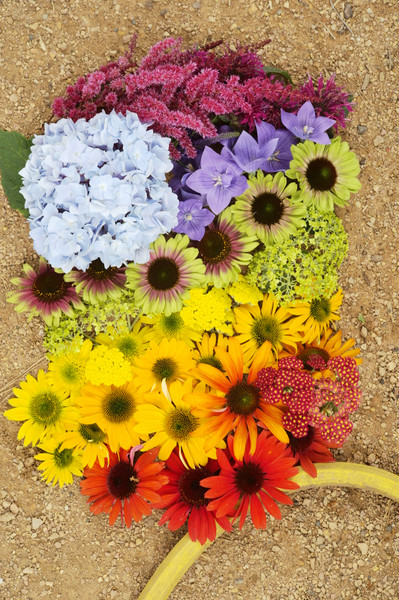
<point>332,543</point>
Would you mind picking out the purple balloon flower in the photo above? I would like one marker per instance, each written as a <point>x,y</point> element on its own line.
<point>220,178</point>
<point>282,155</point>
<point>249,155</point>
<point>306,126</point>
<point>193,218</point>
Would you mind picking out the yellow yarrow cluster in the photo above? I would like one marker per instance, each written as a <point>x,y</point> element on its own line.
<point>243,292</point>
<point>207,310</point>
<point>108,366</point>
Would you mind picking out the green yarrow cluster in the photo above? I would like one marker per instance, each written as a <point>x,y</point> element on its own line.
<point>89,321</point>
<point>306,264</point>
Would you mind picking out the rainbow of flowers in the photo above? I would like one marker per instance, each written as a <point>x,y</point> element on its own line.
<point>183,209</point>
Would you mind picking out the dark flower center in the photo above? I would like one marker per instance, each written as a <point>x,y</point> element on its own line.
<point>301,445</point>
<point>267,208</point>
<point>97,271</point>
<point>163,274</point>
<point>164,368</point>
<point>128,346</point>
<point>71,372</point>
<point>91,433</point>
<point>180,424</point>
<point>211,360</point>
<point>50,286</point>
<point>45,408</point>
<point>118,406</point>
<point>122,480</point>
<point>243,398</point>
<point>321,174</point>
<point>214,247</point>
<point>266,328</point>
<point>320,309</point>
<point>249,478</point>
<point>64,458</point>
<point>172,324</point>
<point>306,353</point>
<point>190,489</point>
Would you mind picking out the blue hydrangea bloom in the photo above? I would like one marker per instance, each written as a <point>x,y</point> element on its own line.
<point>97,189</point>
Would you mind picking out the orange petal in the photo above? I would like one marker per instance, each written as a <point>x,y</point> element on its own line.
<point>260,361</point>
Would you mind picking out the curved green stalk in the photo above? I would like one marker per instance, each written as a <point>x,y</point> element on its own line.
<point>186,552</point>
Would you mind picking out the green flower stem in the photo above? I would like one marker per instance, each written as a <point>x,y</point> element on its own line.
<point>186,552</point>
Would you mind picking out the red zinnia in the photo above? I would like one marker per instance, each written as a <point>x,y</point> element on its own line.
<point>252,482</point>
<point>184,498</point>
<point>124,486</point>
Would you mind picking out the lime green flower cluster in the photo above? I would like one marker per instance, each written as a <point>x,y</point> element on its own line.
<point>91,320</point>
<point>306,264</point>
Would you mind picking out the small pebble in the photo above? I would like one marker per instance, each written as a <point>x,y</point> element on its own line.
<point>36,523</point>
<point>361,129</point>
<point>348,10</point>
<point>364,548</point>
<point>378,140</point>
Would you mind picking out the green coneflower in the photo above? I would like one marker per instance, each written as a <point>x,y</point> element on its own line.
<point>98,283</point>
<point>161,284</point>
<point>224,249</point>
<point>266,208</point>
<point>327,174</point>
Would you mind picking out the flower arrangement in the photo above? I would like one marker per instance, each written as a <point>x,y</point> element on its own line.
<point>183,209</point>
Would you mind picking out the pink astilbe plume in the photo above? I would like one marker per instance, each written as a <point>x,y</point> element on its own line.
<point>182,91</point>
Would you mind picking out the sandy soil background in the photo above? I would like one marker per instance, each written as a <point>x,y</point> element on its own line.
<point>332,543</point>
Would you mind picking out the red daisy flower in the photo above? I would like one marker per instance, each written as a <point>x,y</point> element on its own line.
<point>125,487</point>
<point>45,293</point>
<point>309,449</point>
<point>184,498</point>
<point>98,283</point>
<point>252,482</point>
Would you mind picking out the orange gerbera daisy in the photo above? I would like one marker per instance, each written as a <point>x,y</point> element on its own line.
<point>236,403</point>
<point>125,487</point>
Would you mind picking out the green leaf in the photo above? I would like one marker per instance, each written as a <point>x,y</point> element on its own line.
<point>279,74</point>
<point>361,318</point>
<point>14,152</point>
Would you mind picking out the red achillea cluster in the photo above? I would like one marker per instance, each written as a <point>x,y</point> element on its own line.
<point>322,404</point>
<point>180,92</point>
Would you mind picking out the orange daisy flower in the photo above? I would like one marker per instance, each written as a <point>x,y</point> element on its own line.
<point>236,403</point>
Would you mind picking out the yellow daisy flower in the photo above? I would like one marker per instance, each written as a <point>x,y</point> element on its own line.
<point>268,322</point>
<point>169,360</point>
<point>206,349</point>
<point>113,409</point>
<point>89,441</point>
<point>171,326</point>
<point>46,411</point>
<point>67,372</point>
<point>171,419</point>
<point>131,343</point>
<point>58,465</point>
<point>316,315</point>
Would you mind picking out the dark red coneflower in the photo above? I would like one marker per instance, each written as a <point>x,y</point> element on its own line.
<point>184,498</point>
